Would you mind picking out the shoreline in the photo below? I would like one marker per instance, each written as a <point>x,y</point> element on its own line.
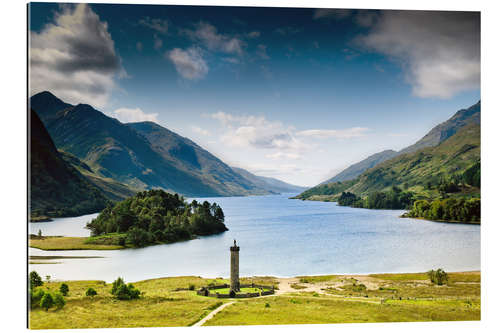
<point>260,276</point>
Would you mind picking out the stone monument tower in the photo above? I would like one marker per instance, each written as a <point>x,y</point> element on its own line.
<point>235,269</point>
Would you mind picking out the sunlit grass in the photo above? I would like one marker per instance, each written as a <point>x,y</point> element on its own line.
<point>68,243</point>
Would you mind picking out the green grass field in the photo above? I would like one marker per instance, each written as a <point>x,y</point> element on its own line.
<point>325,310</point>
<point>387,298</point>
<point>68,243</point>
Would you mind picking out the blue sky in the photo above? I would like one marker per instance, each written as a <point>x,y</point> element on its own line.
<point>296,94</point>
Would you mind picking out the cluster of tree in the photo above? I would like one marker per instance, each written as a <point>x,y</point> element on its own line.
<point>451,209</point>
<point>124,291</point>
<point>350,199</point>
<point>472,175</point>
<point>156,216</point>
<point>392,199</point>
<point>456,182</point>
<point>438,276</point>
<point>45,298</point>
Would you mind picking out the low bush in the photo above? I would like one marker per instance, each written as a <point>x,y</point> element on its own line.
<point>438,276</point>
<point>90,292</point>
<point>123,291</point>
<point>64,289</point>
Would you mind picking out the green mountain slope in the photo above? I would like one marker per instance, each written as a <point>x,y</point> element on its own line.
<point>187,156</point>
<point>271,184</point>
<point>141,155</point>
<point>420,172</point>
<point>112,189</point>
<point>435,136</point>
<point>56,188</point>
<point>358,168</point>
<point>443,131</point>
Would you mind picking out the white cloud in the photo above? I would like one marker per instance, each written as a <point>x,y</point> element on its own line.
<point>258,132</point>
<point>200,130</point>
<point>282,155</point>
<point>188,63</point>
<point>207,34</point>
<point>75,57</point>
<point>126,115</point>
<point>348,133</point>
<point>159,25</point>
<point>439,51</point>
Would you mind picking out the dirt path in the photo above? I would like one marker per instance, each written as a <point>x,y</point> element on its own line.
<point>212,314</point>
<point>285,286</point>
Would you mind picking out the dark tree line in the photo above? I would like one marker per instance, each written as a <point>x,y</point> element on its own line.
<point>392,199</point>
<point>451,209</point>
<point>156,216</point>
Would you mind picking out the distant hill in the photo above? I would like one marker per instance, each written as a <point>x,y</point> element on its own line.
<point>358,168</point>
<point>139,155</point>
<point>271,184</point>
<point>188,157</point>
<point>420,171</point>
<point>438,134</point>
<point>57,188</point>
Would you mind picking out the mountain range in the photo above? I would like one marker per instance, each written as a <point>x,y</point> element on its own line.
<point>121,158</point>
<point>446,152</point>
<point>435,136</point>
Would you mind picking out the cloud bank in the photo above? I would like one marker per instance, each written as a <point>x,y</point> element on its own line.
<point>75,57</point>
<point>439,51</point>
<point>260,133</point>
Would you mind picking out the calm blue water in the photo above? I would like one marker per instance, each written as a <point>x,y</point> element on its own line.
<point>281,237</point>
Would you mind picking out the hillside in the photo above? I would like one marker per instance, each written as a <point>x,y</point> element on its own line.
<point>420,172</point>
<point>435,136</point>
<point>56,188</point>
<point>443,131</point>
<point>112,189</point>
<point>358,168</point>
<point>139,155</point>
<point>187,156</point>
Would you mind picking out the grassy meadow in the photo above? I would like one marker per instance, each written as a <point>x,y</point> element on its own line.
<point>323,300</point>
<point>53,243</point>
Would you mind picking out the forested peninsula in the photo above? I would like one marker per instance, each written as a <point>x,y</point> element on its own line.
<point>154,217</point>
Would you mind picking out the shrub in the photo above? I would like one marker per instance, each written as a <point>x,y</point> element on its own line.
<point>267,305</point>
<point>47,301</point>
<point>64,289</point>
<point>59,300</point>
<point>124,292</point>
<point>438,277</point>
<point>35,297</point>
<point>90,292</point>
<point>116,284</point>
<point>358,287</point>
<point>191,287</point>
<point>35,280</point>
